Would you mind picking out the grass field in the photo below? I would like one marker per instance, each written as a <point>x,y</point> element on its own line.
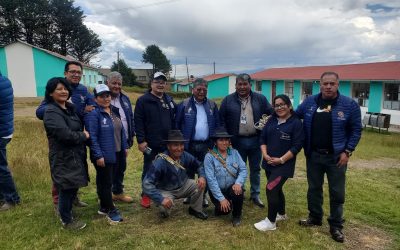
<point>372,207</point>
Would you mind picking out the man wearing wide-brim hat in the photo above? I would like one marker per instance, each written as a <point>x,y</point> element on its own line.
<point>167,179</point>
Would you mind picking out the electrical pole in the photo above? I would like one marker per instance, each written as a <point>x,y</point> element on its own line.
<point>118,60</point>
<point>187,69</point>
<point>214,67</point>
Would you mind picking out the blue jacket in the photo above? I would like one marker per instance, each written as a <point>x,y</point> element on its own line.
<point>186,116</point>
<point>101,131</point>
<point>149,123</point>
<point>127,107</point>
<point>218,178</point>
<point>346,122</point>
<point>164,176</point>
<point>229,111</point>
<point>6,107</point>
<point>280,139</point>
<point>80,97</point>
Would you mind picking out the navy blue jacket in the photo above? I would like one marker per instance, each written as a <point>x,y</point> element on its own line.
<point>346,122</point>
<point>279,139</point>
<point>229,111</point>
<point>6,107</point>
<point>80,97</point>
<point>148,119</point>
<point>164,176</point>
<point>101,130</point>
<point>186,118</point>
<point>127,107</point>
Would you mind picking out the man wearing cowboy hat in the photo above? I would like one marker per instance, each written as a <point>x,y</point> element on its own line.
<point>167,179</point>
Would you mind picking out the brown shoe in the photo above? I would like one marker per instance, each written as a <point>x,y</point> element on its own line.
<point>122,197</point>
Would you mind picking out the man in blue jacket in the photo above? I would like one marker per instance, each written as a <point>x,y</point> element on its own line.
<point>238,113</point>
<point>154,117</point>
<point>83,102</point>
<point>8,193</point>
<point>122,102</point>
<point>167,179</point>
<point>197,117</point>
<point>332,127</point>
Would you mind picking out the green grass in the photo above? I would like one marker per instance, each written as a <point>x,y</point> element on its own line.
<point>371,207</point>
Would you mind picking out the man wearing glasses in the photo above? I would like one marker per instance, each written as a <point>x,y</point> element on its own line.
<point>83,102</point>
<point>154,116</point>
<point>197,117</point>
<point>239,112</point>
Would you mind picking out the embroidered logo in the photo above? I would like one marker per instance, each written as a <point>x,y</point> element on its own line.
<point>340,114</point>
<point>104,121</point>
<point>285,136</point>
<point>171,104</point>
<point>82,99</point>
<point>126,104</point>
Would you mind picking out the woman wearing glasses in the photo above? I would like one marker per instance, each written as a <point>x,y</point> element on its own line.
<point>107,139</point>
<point>281,140</point>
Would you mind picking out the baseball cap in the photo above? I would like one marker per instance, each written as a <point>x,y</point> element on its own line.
<point>100,89</point>
<point>159,75</point>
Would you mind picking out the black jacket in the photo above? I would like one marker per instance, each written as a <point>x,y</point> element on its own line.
<point>67,152</point>
<point>229,111</point>
<point>151,125</point>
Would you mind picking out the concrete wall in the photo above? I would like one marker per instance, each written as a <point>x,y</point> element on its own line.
<point>218,88</point>
<point>3,62</point>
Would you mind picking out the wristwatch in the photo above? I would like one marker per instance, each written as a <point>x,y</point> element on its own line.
<point>348,152</point>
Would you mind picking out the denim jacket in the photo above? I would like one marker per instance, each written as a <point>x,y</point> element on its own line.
<point>164,176</point>
<point>218,178</point>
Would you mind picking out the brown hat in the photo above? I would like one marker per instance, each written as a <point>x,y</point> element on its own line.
<point>175,136</point>
<point>220,133</point>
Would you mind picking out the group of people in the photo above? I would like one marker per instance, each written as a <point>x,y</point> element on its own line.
<point>193,138</point>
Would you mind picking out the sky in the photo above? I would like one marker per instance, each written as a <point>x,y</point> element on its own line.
<point>245,35</point>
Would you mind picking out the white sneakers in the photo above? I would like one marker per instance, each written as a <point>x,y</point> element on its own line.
<point>267,225</point>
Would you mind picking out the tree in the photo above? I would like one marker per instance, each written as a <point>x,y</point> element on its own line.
<point>128,78</point>
<point>156,57</point>
<point>10,30</point>
<point>84,44</point>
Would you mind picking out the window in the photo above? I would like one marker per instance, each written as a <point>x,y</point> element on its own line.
<point>306,89</point>
<point>360,93</point>
<point>142,78</point>
<point>95,78</point>
<point>392,96</point>
<point>289,89</point>
<point>90,79</point>
<point>258,86</point>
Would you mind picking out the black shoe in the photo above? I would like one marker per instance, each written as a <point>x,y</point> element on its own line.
<point>337,235</point>
<point>258,202</point>
<point>186,200</point>
<point>236,221</point>
<point>309,222</point>
<point>201,215</point>
<point>205,202</point>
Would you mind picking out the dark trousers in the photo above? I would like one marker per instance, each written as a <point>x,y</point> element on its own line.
<point>8,191</point>
<point>104,179</point>
<point>65,200</point>
<point>148,159</point>
<point>199,150</point>
<point>119,173</point>
<point>275,196</point>
<point>317,165</point>
<point>236,202</point>
<point>249,150</point>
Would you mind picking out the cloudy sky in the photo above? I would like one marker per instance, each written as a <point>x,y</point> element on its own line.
<point>245,36</point>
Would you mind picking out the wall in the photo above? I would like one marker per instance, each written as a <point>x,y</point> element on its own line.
<point>218,88</point>
<point>345,88</point>
<point>20,67</point>
<point>3,62</point>
<point>232,84</point>
<point>375,96</point>
<point>46,66</point>
<point>296,93</point>
<point>266,89</point>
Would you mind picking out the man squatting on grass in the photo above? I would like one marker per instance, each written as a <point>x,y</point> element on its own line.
<point>83,103</point>
<point>332,128</point>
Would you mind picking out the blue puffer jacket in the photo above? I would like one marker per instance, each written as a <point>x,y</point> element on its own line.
<point>6,107</point>
<point>80,97</point>
<point>186,118</point>
<point>101,130</point>
<point>346,122</point>
<point>127,107</point>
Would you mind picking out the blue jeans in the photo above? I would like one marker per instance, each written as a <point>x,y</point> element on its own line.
<point>249,150</point>
<point>8,191</point>
<point>118,173</point>
<point>65,200</point>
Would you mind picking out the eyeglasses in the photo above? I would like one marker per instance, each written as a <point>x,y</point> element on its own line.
<point>74,72</point>
<point>280,106</point>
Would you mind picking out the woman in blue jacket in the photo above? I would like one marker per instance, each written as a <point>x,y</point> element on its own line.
<point>281,140</point>
<point>226,174</point>
<point>107,139</point>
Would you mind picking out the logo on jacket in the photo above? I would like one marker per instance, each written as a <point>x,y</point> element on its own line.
<point>171,104</point>
<point>285,136</point>
<point>104,121</point>
<point>189,110</point>
<point>126,104</point>
<point>82,99</point>
<point>341,115</point>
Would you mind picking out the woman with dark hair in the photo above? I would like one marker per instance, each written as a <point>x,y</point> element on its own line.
<point>226,174</point>
<point>67,151</point>
<point>107,141</point>
<point>281,139</point>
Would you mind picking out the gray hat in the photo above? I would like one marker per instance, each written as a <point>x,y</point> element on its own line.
<point>175,136</point>
<point>221,133</point>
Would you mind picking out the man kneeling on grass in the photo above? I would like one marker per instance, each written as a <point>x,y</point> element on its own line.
<point>167,178</point>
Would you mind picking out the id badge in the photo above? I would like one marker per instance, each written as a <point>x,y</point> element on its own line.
<point>243,119</point>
